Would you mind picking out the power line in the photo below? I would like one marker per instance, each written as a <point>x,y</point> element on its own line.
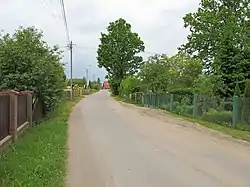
<point>53,14</point>
<point>65,20</point>
<point>70,45</point>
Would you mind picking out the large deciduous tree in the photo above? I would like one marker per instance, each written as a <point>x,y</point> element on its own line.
<point>28,63</point>
<point>162,73</point>
<point>220,36</point>
<point>118,51</point>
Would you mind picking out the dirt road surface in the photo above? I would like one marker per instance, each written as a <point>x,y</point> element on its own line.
<point>119,145</point>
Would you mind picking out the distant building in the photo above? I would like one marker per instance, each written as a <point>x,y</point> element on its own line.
<point>105,85</point>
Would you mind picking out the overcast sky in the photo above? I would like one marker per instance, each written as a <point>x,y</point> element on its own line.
<point>158,22</point>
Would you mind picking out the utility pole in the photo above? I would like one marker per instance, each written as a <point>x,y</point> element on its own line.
<point>87,77</point>
<point>70,45</point>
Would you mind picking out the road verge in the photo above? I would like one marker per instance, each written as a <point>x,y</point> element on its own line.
<point>39,157</point>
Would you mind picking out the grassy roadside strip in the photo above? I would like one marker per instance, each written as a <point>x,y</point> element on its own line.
<point>38,158</point>
<point>235,133</point>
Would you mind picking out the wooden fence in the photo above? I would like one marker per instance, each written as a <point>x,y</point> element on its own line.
<point>4,116</point>
<point>18,110</point>
<point>15,115</point>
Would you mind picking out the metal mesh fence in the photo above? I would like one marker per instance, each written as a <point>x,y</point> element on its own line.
<point>231,112</point>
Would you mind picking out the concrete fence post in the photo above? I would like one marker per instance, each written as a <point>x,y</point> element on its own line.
<point>142,99</point>
<point>195,105</point>
<point>171,103</point>
<point>235,111</point>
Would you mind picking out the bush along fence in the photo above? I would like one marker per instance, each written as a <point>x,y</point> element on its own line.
<point>233,112</point>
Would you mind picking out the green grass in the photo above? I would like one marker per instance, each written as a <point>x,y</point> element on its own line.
<point>235,133</point>
<point>38,158</point>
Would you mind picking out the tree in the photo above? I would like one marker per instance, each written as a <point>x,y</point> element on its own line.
<point>205,84</point>
<point>118,51</point>
<point>28,63</point>
<point>78,81</point>
<point>130,85</point>
<point>155,74</point>
<point>90,85</point>
<point>162,73</point>
<point>220,36</point>
<point>98,81</point>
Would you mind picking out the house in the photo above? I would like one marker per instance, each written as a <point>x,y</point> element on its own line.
<point>105,85</point>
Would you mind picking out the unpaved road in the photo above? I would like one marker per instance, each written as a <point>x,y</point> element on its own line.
<point>117,145</point>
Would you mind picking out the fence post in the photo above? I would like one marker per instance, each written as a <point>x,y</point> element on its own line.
<point>29,105</point>
<point>150,100</point>
<point>195,100</point>
<point>154,102</point>
<point>142,99</point>
<point>13,113</point>
<point>158,100</point>
<point>171,103</point>
<point>235,110</point>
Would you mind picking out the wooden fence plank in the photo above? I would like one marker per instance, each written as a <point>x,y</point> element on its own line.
<point>4,116</point>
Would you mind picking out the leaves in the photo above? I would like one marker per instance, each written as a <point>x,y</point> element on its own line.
<point>118,51</point>
<point>220,37</point>
<point>28,63</point>
<point>162,73</point>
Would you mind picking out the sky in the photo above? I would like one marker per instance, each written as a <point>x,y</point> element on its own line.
<point>159,23</point>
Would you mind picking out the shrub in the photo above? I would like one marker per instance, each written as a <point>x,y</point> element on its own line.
<point>183,91</point>
<point>165,107</point>
<point>28,63</point>
<point>129,85</point>
<point>185,110</point>
<point>214,116</point>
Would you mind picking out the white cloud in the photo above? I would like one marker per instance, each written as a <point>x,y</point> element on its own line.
<point>158,22</point>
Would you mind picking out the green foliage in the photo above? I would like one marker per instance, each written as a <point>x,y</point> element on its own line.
<point>98,81</point>
<point>206,84</point>
<point>118,51</point>
<point>165,107</point>
<point>95,85</point>
<point>183,91</point>
<point>184,110</point>
<point>237,90</point>
<point>214,116</point>
<point>129,85</point>
<point>246,104</point>
<point>247,89</point>
<point>220,37</point>
<point>78,81</point>
<point>162,73</point>
<point>28,63</point>
<point>38,157</point>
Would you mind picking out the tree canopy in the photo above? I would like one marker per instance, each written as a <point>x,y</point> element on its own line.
<point>220,37</point>
<point>28,63</point>
<point>118,51</point>
<point>162,73</point>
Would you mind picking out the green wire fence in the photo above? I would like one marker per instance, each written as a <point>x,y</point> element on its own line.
<point>232,112</point>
